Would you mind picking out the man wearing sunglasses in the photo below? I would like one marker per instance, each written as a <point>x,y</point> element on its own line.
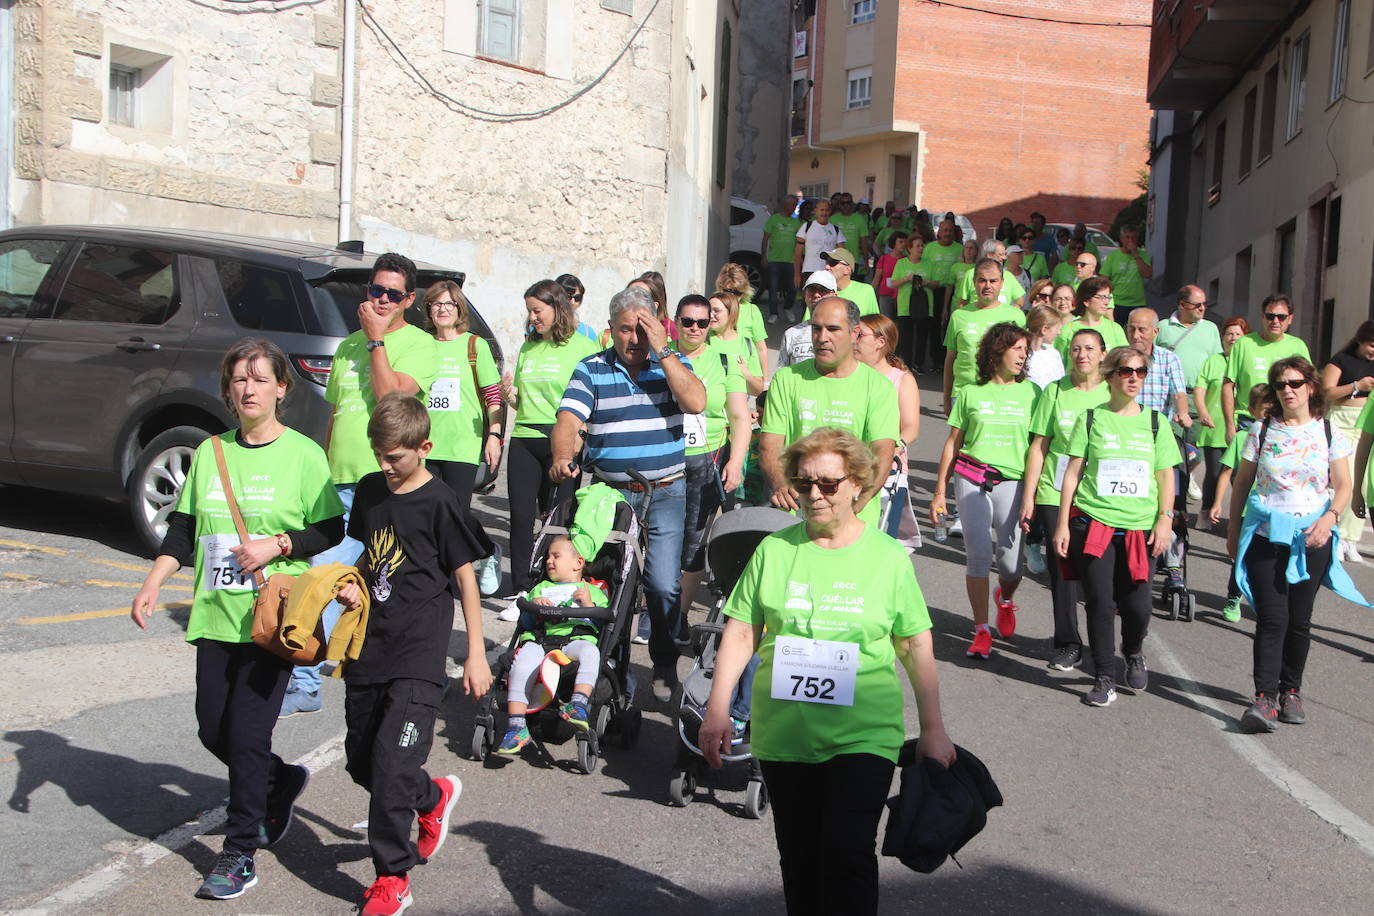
<point>1188,334</point>
<point>1252,355</point>
<point>1066,271</point>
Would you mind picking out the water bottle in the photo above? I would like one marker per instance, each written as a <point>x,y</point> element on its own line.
<point>941,529</point>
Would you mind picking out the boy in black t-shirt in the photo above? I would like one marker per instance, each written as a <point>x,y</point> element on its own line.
<point>416,548</point>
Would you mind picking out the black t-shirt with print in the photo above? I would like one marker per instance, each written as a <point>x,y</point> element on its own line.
<point>412,543</point>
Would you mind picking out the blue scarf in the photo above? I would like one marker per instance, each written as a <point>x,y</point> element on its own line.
<point>1288,530</point>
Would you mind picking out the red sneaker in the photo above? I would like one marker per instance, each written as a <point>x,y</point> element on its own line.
<point>388,895</point>
<point>982,644</point>
<point>1006,614</point>
<point>434,824</point>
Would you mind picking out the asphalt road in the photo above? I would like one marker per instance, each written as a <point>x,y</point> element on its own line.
<point>1154,805</point>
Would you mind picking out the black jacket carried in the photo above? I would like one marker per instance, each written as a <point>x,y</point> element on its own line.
<point>937,810</point>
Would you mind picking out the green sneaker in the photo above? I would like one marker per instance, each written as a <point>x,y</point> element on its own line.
<point>1231,612</point>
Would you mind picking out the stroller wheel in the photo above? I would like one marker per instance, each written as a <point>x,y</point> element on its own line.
<point>478,749</point>
<point>755,799</point>
<point>602,721</point>
<point>586,756</point>
<point>1174,602</point>
<point>627,726</point>
<point>681,789</point>
<point>1188,606</point>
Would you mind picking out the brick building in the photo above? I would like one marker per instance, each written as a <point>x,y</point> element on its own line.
<point>993,111</point>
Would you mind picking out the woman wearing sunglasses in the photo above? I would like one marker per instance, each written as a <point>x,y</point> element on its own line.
<point>1092,309</point>
<point>832,591</point>
<point>551,351</point>
<point>1116,518</point>
<point>1298,463</point>
<point>576,293</point>
<point>1033,262</point>
<point>989,429</point>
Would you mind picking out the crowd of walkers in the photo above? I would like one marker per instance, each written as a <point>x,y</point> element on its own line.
<point>1071,449</point>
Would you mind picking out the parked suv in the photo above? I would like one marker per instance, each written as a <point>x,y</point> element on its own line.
<point>111,338</point>
<point>746,239</point>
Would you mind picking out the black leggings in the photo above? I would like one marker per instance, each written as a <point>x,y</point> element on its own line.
<point>530,493</point>
<point>1211,458</point>
<point>1063,592</point>
<point>1108,589</point>
<point>825,819</point>
<point>1283,613</point>
<point>239,689</point>
<point>460,477</point>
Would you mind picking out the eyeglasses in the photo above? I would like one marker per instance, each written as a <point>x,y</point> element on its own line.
<point>1027,237</point>
<point>827,485</point>
<point>376,291</point>
<point>1275,316</point>
<point>1293,384</point>
<point>1104,297</point>
<point>1128,371</point>
<point>1039,296</point>
<point>447,306</point>
<point>694,322</point>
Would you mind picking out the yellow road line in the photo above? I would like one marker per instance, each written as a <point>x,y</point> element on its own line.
<point>96,615</point>
<point>107,583</point>
<point>60,552</point>
<point>22,577</point>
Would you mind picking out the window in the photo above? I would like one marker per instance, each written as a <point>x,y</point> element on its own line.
<point>1333,231</point>
<point>860,88</point>
<point>119,284</point>
<point>799,84</point>
<point>1218,163</point>
<point>816,189</point>
<point>863,11</point>
<point>259,298</point>
<point>1340,51</point>
<point>1297,84</point>
<point>23,265</point>
<point>1287,251</point>
<point>500,37</point>
<point>1247,131</point>
<point>1267,117</point>
<point>618,6</point>
<point>739,216</point>
<point>1240,293</point>
<point>123,88</point>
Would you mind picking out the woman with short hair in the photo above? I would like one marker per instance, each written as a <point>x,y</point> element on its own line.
<point>1346,381</point>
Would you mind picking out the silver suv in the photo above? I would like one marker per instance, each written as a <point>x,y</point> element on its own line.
<point>111,337</point>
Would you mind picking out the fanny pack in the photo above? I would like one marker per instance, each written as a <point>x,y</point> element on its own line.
<point>976,472</point>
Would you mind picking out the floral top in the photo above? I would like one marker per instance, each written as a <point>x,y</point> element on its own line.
<point>1293,474</point>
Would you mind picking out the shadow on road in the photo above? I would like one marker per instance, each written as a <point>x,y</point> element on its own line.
<point>99,520</point>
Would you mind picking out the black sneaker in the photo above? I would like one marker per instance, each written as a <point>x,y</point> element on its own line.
<point>232,875</point>
<point>1290,708</point>
<point>281,804</point>
<point>1103,692</point>
<point>1137,675</point>
<point>1262,716</point>
<point>1066,658</point>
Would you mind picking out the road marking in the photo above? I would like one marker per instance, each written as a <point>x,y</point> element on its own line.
<point>1294,784</point>
<point>122,869</point>
<point>22,577</point>
<point>96,615</point>
<point>60,552</point>
<point>110,583</point>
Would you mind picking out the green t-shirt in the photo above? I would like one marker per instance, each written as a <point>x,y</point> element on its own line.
<point>1112,336</point>
<point>1128,288</point>
<point>801,400</point>
<point>957,270</point>
<point>903,268</point>
<point>409,351</point>
<point>863,594</point>
<point>1118,486</point>
<point>719,373</point>
<point>1192,344</point>
<point>965,331</point>
<point>1209,377</point>
<point>560,593</point>
<point>1011,289</point>
<point>1231,457</point>
<point>782,237</point>
<point>1035,265</point>
<point>1064,273</point>
<point>1055,413</point>
<point>942,259</point>
<point>742,346</point>
<point>457,417</point>
<point>542,371</point>
<point>996,420</point>
<point>1250,359</point>
<point>750,320</point>
<point>282,486</point>
<point>862,295</point>
<point>855,227</point>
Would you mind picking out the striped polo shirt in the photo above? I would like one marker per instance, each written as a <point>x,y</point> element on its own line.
<point>631,423</point>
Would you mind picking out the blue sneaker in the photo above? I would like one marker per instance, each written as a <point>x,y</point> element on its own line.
<point>576,716</point>
<point>514,742</point>
<point>298,702</point>
<point>281,804</point>
<point>232,875</point>
<point>737,729</point>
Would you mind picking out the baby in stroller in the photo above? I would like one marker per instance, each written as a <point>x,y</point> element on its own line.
<point>567,639</point>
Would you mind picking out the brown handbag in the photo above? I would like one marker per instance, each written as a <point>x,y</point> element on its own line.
<point>270,604</point>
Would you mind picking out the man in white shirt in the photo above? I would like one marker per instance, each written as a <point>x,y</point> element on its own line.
<point>813,238</point>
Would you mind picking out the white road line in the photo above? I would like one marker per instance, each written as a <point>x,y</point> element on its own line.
<point>1250,747</point>
<point>124,868</point>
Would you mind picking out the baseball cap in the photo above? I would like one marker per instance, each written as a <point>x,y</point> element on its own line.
<point>838,254</point>
<point>821,278</point>
<point>1015,249</point>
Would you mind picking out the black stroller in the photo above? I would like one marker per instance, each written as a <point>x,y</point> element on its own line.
<point>1178,602</point>
<point>611,711</point>
<point>731,543</point>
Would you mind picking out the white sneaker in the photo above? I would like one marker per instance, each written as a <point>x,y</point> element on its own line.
<point>511,613</point>
<point>956,528</point>
<point>1194,491</point>
<point>1351,553</point>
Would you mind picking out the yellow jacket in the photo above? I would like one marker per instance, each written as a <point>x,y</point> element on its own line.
<point>312,592</point>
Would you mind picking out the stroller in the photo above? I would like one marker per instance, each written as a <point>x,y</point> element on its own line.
<point>1178,602</point>
<point>611,711</point>
<point>733,538</point>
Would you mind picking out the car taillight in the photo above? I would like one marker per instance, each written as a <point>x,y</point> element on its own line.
<point>313,368</point>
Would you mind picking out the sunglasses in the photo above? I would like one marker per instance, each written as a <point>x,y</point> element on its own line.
<point>376,291</point>
<point>1083,263</point>
<point>1275,316</point>
<point>694,322</point>
<point>827,485</point>
<point>1039,296</point>
<point>1128,371</point>
<point>575,297</point>
<point>1293,384</point>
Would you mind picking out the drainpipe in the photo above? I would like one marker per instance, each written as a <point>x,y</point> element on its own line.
<point>350,45</point>
<point>811,108</point>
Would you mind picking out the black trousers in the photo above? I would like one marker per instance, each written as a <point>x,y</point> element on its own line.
<point>1283,613</point>
<point>239,689</point>
<point>530,493</point>
<point>460,477</point>
<point>825,819</point>
<point>1107,590</point>
<point>390,730</point>
<point>1064,593</point>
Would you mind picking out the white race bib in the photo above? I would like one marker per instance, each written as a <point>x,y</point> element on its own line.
<point>694,430</point>
<point>559,594</point>
<point>222,571</point>
<point>1123,477</point>
<point>1291,502</point>
<point>815,670</point>
<point>1059,469</point>
<point>444,395</point>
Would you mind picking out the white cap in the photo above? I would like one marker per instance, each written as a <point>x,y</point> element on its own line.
<point>821,278</point>
<point>1015,249</point>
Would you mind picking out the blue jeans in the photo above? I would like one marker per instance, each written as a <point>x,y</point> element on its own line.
<point>703,501</point>
<point>782,288</point>
<point>347,551</point>
<point>662,514</point>
<point>742,703</point>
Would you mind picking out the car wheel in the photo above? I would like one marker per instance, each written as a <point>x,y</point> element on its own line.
<point>156,482</point>
<point>750,262</point>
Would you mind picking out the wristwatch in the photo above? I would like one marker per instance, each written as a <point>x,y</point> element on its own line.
<point>666,352</point>
<point>374,344</point>
<point>1169,514</point>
